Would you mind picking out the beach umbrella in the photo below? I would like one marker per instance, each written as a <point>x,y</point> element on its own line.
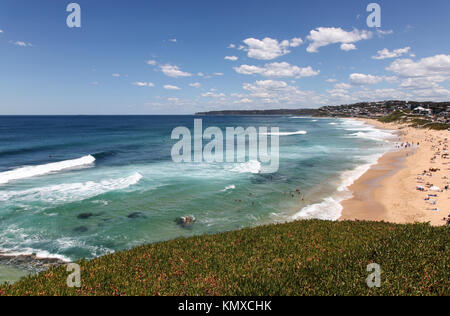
<point>437,189</point>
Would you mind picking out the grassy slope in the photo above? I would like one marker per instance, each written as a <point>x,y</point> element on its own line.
<point>299,258</point>
<point>414,121</point>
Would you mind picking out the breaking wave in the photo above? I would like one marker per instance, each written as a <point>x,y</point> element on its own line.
<point>40,170</point>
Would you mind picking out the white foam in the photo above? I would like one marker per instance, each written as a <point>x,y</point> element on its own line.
<point>253,166</point>
<point>364,130</point>
<point>374,135</point>
<point>70,192</point>
<point>286,133</point>
<point>230,187</point>
<point>330,208</point>
<point>349,177</point>
<point>40,170</point>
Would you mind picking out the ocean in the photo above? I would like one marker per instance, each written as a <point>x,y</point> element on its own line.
<point>76,187</point>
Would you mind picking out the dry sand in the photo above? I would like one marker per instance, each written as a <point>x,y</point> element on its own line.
<point>388,191</point>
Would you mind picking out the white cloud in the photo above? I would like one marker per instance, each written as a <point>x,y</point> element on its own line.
<point>331,80</point>
<point>95,83</point>
<point>381,33</point>
<point>174,71</point>
<point>266,84</point>
<point>173,40</point>
<point>232,58</point>
<point>380,94</point>
<point>385,53</point>
<point>324,36</point>
<point>361,79</point>
<point>438,65</point>
<point>151,62</point>
<point>116,75</point>
<point>348,47</point>
<point>219,74</point>
<point>422,83</point>
<point>433,94</point>
<point>211,94</point>
<point>171,87</point>
<point>282,69</point>
<point>143,84</point>
<point>245,100</point>
<point>343,86</point>
<point>22,44</point>
<point>268,48</point>
<point>279,92</point>
<point>1,31</point>
<point>295,42</point>
<point>195,84</point>
<point>231,46</point>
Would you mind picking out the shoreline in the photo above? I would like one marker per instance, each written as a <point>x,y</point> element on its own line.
<point>387,191</point>
<point>373,198</point>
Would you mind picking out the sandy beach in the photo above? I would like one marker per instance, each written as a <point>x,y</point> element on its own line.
<point>389,190</point>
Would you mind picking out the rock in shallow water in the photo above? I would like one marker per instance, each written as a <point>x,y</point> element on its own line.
<point>81,229</point>
<point>85,215</point>
<point>185,221</point>
<point>30,263</point>
<point>136,215</point>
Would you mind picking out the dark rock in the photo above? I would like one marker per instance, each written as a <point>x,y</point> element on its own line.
<point>85,215</point>
<point>30,263</point>
<point>81,229</point>
<point>185,221</point>
<point>136,215</point>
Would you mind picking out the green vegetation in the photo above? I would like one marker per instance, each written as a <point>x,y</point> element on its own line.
<point>393,117</point>
<point>298,258</point>
<point>418,122</point>
<point>437,126</point>
<point>421,123</point>
<point>413,121</point>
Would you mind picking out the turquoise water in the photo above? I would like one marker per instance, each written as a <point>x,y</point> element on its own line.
<point>10,274</point>
<point>122,188</point>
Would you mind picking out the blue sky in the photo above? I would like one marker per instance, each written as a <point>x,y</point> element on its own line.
<point>168,57</point>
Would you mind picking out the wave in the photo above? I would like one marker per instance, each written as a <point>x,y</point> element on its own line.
<point>349,177</point>
<point>40,170</point>
<point>331,208</point>
<point>286,133</point>
<point>70,192</point>
<point>374,135</point>
<point>253,166</point>
<point>230,187</point>
<point>367,131</point>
